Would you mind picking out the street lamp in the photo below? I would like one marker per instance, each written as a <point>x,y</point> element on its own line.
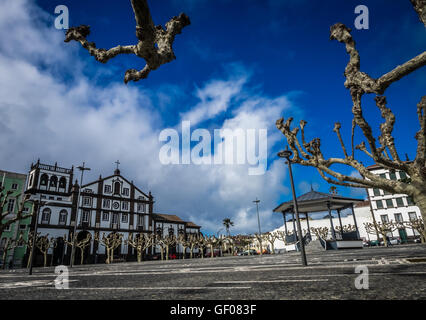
<point>287,154</point>
<point>82,169</point>
<point>258,224</point>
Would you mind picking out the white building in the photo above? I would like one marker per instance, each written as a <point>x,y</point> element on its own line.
<point>393,207</point>
<point>107,205</point>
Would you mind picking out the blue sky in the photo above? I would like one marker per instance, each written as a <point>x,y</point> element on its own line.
<point>260,59</point>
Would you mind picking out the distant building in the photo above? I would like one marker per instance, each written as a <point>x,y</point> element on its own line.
<point>393,207</point>
<point>15,182</point>
<point>167,224</point>
<point>104,206</point>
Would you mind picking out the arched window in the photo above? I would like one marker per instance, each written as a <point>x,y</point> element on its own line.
<point>62,183</point>
<point>63,217</point>
<point>117,187</point>
<point>44,179</point>
<point>53,181</point>
<point>45,216</point>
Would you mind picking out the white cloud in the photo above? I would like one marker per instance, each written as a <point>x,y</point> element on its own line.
<point>69,122</point>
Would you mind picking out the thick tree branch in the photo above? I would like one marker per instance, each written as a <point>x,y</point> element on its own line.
<point>361,80</point>
<point>420,7</point>
<point>155,43</point>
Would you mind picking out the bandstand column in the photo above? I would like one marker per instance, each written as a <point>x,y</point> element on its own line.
<point>333,233</point>
<point>356,226</point>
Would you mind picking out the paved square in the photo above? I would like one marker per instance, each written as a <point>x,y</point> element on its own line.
<point>393,273</point>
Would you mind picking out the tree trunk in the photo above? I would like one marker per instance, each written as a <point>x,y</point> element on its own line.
<point>45,259</point>
<point>420,201</point>
<point>139,254</point>
<point>29,258</point>
<point>5,257</point>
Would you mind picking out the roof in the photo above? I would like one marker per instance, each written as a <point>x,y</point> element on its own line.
<point>192,225</point>
<point>379,166</point>
<point>365,203</point>
<point>116,174</point>
<point>167,217</point>
<point>314,201</point>
<point>174,219</point>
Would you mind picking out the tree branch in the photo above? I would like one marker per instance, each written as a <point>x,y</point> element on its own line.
<point>155,44</point>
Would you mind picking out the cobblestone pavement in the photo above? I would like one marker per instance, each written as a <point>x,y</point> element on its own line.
<point>398,272</point>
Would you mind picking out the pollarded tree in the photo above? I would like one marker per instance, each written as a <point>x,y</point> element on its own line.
<point>201,243</point>
<point>110,242</point>
<point>211,242</point>
<point>9,245</point>
<point>164,243</point>
<point>320,232</point>
<point>192,243</point>
<point>384,228</point>
<point>184,242</point>
<point>419,226</point>
<point>155,44</point>
<point>271,237</point>
<point>141,242</point>
<point>43,243</point>
<point>384,152</point>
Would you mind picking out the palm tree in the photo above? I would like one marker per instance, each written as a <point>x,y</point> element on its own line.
<point>227,223</point>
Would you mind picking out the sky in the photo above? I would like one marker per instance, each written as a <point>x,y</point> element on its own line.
<point>240,64</point>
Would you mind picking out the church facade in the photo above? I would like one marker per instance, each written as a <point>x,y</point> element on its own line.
<point>111,204</point>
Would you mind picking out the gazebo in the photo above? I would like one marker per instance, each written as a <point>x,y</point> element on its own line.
<point>315,201</point>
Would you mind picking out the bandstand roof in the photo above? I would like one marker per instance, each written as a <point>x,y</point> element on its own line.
<point>315,201</point>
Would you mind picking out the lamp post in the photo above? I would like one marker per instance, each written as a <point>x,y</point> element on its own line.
<point>82,169</point>
<point>258,224</point>
<point>287,154</point>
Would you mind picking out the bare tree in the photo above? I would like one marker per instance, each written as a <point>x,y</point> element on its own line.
<point>384,228</point>
<point>141,242</point>
<point>9,245</point>
<point>154,42</point>
<point>271,237</point>
<point>201,245</point>
<point>184,242</point>
<point>193,243</point>
<point>29,243</point>
<point>110,242</point>
<point>211,241</point>
<point>164,243</point>
<point>320,232</point>
<point>8,218</point>
<point>419,226</point>
<point>43,243</point>
<point>81,244</point>
<point>383,153</point>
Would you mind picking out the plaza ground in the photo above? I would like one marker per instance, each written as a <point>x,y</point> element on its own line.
<point>397,272</point>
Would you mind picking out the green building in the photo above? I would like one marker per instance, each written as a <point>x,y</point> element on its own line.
<point>16,183</point>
